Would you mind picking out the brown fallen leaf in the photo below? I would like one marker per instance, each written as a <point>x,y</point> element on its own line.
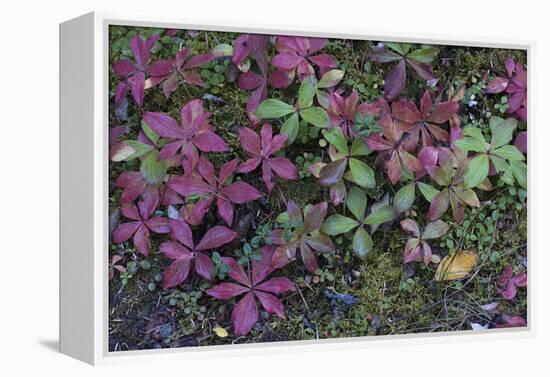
<point>456,266</point>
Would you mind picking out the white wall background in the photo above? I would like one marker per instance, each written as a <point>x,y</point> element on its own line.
<point>29,184</point>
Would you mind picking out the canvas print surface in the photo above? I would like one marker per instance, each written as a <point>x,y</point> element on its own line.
<point>270,188</point>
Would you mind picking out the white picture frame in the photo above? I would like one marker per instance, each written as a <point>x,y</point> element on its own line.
<point>84,191</point>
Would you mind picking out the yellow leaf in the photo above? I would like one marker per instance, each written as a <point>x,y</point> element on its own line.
<point>456,266</point>
<point>220,331</point>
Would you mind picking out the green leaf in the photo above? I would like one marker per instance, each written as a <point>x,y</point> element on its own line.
<point>477,171</point>
<point>429,192</point>
<point>502,131</point>
<point>424,55</point>
<point>400,48</point>
<point>123,153</point>
<point>283,218</point>
<point>307,92</point>
<point>139,149</point>
<point>222,50</point>
<point>316,116</point>
<point>153,171</point>
<point>331,78</point>
<point>519,170</point>
<point>404,198</point>
<point>380,215</point>
<point>359,147</point>
<point>273,108</point>
<point>338,224</point>
<point>152,135</point>
<point>509,152</point>
<point>473,140</point>
<point>336,137</point>
<point>362,243</point>
<point>291,128</point>
<point>362,173</point>
<point>500,164</point>
<point>357,202</point>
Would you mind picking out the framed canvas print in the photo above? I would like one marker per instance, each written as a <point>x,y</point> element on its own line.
<point>224,188</point>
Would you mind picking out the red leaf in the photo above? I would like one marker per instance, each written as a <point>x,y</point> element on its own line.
<point>443,112</point>
<point>439,205</point>
<point>245,315</point>
<point>308,257</point>
<point>377,143</point>
<point>240,192</point>
<point>263,267</point>
<point>277,285</point>
<point>236,271</point>
<point>203,265</point>
<point>271,304</point>
<point>393,168</point>
<point>141,240</point>
<point>225,291</point>
<point>406,111</point>
<point>314,218</point>
<point>320,242</point>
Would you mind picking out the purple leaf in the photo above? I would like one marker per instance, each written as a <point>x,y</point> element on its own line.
<point>277,285</point>
<point>216,237</point>
<point>333,172</point>
<point>208,141</point>
<point>162,124</point>
<point>286,60</point>
<point>175,274</point>
<point>314,218</point>
<point>283,167</point>
<point>271,304</point>
<point>245,315</point>
<point>124,231</point>
<point>203,265</point>
<point>240,192</point>
<point>395,81</point>
<point>496,85</point>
